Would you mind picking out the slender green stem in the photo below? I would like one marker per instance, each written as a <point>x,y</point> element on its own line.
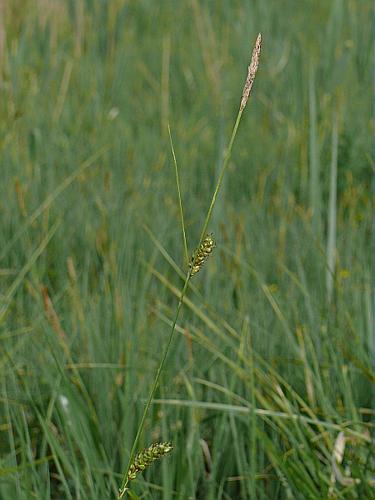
<point>179,197</point>
<point>227,156</point>
<point>153,388</point>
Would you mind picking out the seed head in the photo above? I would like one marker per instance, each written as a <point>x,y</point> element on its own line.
<point>201,254</point>
<point>146,457</point>
<point>251,72</point>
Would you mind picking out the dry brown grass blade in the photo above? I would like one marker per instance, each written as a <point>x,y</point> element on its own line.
<point>54,321</point>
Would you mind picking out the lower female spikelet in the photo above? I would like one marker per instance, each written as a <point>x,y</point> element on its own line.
<point>201,254</point>
<point>145,458</point>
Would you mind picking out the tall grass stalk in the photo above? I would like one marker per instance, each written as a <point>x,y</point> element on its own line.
<point>179,197</point>
<point>314,182</point>
<point>332,212</point>
<point>253,67</point>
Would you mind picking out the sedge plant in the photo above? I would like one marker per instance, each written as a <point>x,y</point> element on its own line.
<point>138,463</point>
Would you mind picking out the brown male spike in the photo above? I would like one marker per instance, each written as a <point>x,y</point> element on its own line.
<point>251,72</point>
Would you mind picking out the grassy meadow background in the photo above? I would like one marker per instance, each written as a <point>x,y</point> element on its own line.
<point>272,367</point>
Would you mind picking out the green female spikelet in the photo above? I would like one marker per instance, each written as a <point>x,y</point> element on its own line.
<point>201,254</point>
<point>146,457</point>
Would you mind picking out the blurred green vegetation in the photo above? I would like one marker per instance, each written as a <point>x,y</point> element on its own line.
<point>275,346</point>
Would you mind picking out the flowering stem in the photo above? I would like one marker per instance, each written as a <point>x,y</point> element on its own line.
<point>122,489</point>
<point>245,95</point>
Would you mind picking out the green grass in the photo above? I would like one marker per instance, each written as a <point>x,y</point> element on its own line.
<point>272,356</point>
